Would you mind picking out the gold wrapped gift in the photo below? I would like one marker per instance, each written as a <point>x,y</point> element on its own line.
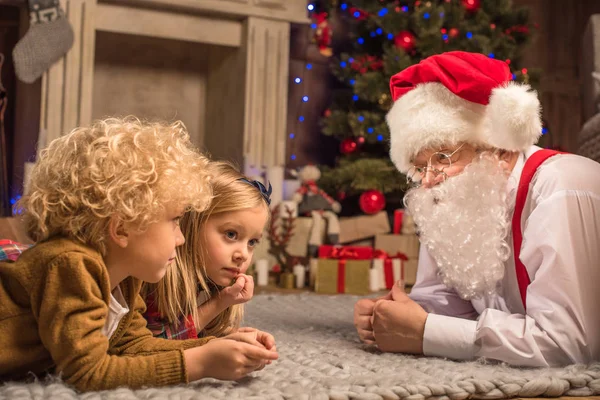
<point>355,278</point>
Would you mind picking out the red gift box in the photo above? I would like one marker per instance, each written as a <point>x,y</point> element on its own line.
<point>346,252</point>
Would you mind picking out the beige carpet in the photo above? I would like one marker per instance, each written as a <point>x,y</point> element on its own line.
<point>321,358</point>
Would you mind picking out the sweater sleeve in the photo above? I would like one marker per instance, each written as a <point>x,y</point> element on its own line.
<point>70,308</point>
<point>139,339</point>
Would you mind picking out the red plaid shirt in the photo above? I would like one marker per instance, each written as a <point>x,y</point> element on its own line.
<point>160,327</point>
<point>10,250</point>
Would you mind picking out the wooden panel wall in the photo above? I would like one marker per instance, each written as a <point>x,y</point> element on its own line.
<point>23,113</point>
<point>557,50</point>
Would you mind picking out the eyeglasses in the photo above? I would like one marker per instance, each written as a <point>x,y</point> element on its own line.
<point>436,165</point>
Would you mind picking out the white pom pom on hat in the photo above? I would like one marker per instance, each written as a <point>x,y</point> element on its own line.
<point>460,97</point>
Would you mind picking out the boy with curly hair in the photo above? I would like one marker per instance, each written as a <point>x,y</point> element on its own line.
<point>104,209</point>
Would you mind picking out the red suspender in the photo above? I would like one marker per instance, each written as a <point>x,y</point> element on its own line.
<point>531,166</point>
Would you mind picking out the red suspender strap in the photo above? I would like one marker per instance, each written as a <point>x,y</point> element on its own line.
<point>531,166</point>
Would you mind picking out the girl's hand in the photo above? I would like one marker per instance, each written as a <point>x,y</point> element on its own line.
<point>240,292</point>
<point>226,359</point>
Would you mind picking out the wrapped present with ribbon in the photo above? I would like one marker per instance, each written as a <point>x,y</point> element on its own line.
<point>389,268</point>
<point>343,269</point>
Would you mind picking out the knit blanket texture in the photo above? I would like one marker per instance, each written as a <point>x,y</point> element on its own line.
<point>320,357</point>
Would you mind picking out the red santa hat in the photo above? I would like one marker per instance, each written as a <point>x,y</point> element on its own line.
<point>460,97</point>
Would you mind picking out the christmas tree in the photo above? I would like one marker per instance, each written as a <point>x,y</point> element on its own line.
<point>385,37</point>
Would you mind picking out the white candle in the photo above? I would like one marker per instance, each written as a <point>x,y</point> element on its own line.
<point>300,273</point>
<point>373,280</point>
<point>378,267</point>
<point>262,272</point>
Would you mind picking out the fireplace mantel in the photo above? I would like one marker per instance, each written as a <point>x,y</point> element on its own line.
<point>281,10</point>
<point>247,56</point>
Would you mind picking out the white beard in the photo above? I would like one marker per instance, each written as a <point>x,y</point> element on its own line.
<point>464,222</point>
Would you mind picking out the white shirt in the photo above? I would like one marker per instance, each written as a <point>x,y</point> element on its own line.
<point>561,252</point>
<point>117,309</point>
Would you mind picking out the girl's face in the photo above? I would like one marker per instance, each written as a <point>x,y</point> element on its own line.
<point>230,239</point>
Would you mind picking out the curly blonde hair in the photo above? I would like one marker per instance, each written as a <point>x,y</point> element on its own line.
<point>176,294</point>
<point>120,167</point>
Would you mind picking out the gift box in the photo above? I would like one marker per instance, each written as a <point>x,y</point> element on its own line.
<point>410,271</point>
<point>346,252</point>
<point>343,269</point>
<point>392,244</point>
<point>389,269</point>
<point>363,227</point>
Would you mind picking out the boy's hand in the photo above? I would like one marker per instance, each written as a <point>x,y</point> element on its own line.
<point>264,338</point>
<point>225,359</point>
<point>240,292</point>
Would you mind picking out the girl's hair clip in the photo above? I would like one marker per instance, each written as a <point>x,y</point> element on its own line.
<point>266,193</point>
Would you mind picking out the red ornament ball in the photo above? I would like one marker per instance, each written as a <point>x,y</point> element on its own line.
<point>371,201</point>
<point>405,40</point>
<point>472,5</point>
<point>348,146</point>
<point>453,32</point>
<point>327,113</point>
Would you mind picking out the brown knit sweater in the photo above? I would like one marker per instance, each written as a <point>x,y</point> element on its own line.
<point>53,306</point>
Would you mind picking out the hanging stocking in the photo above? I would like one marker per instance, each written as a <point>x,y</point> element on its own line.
<point>49,38</point>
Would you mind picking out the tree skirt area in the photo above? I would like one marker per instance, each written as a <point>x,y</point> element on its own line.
<point>322,358</point>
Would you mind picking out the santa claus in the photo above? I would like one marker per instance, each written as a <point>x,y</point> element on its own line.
<point>510,232</point>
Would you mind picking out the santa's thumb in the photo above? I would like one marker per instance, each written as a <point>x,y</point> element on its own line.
<point>397,292</point>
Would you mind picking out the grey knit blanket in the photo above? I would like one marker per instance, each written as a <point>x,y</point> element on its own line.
<point>322,358</point>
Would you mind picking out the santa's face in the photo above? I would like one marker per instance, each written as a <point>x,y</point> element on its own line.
<point>432,166</point>
<point>463,222</point>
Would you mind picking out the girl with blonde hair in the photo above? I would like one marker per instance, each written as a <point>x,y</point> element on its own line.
<point>204,293</point>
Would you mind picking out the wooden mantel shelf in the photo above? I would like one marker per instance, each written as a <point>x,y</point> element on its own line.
<point>19,3</point>
<point>283,10</point>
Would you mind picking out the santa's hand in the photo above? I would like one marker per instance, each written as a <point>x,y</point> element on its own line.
<point>399,324</point>
<point>363,314</point>
<point>240,292</point>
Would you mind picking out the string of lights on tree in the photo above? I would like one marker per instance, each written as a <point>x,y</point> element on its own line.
<point>300,118</point>
<point>388,36</point>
